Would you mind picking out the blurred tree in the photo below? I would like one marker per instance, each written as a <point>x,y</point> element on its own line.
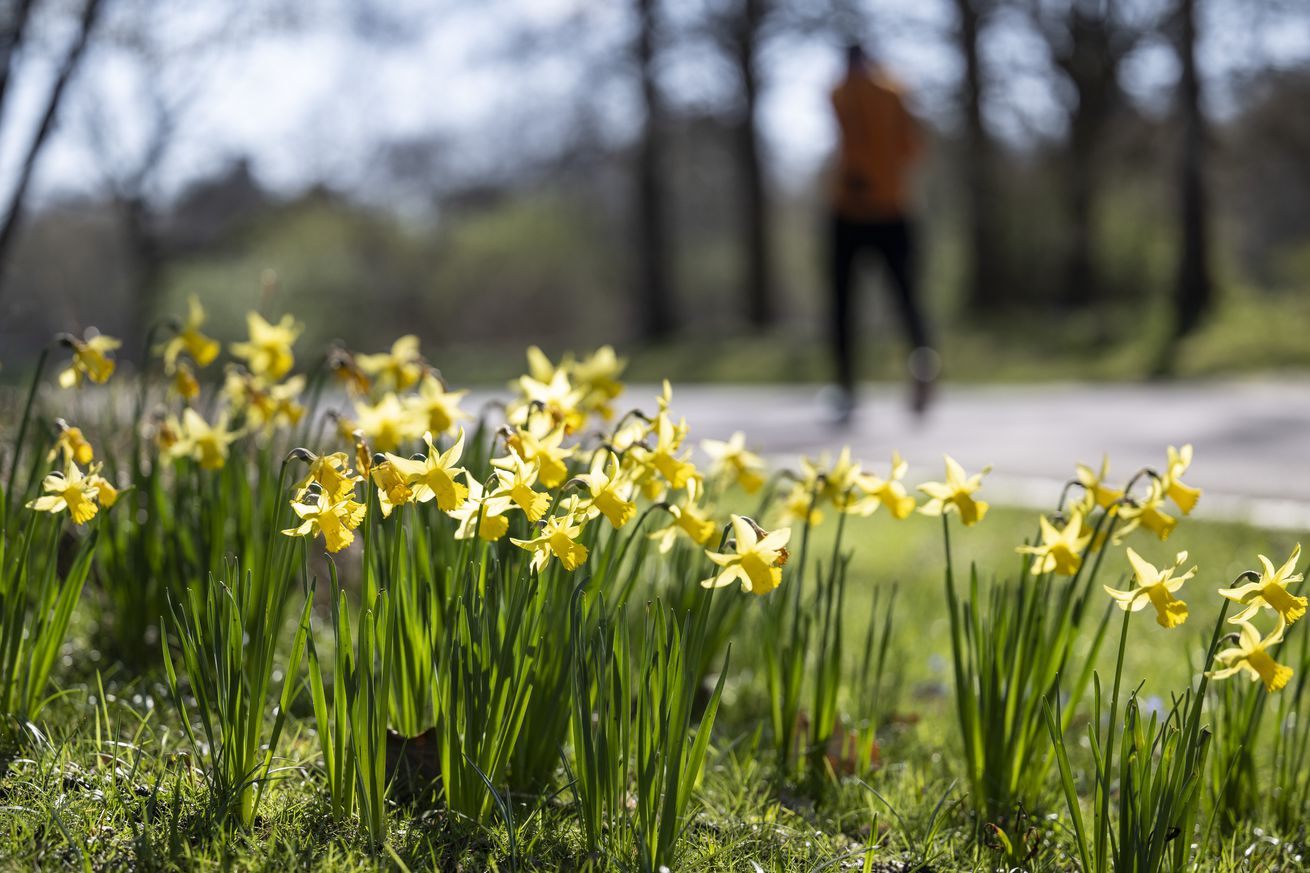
<point>657,318</point>
<point>13,37</point>
<point>1194,290</point>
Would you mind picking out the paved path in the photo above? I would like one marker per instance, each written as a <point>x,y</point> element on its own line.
<point>1251,437</point>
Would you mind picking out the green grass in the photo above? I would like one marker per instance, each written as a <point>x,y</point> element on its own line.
<point>111,786</point>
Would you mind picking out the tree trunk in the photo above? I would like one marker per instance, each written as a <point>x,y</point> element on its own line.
<point>1194,292</point>
<point>986,286</point>
<point>1080,281</point>
<point>758,277</point>
<point>656,310</point>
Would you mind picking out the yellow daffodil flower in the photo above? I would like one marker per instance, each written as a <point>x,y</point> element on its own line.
<point>1251,654</point>
<point>268,351</point>
<point>68,490</point>
<point>1093,483</point>
<point>547,390</point>
<point>91,359</point>
<point>597,375</point>
<point>1184,496</point>
<point>889,492</point>
<point>956,493</point>
<point>333,475</point>
<point>1061,549</point>
<point>1156,587</point>
<point>611,491</point>
<point>689,519</point>
<point>1270,590</point>
<point>732,462</point>
<point>388,424</point>
<point>1149,513</point>
<point>434,476</point>
<point>756,560</point>
<point>184,382</point>
<point>71,444</point>
<point>205,443</point>
<point>190,340</point>
<point>264,406</point>
<point>515,478</point>
<point>482,510</point>
<point>544,447</point>
<point>343,366</point>
<point>393,489</point>
<point>106,492</point>
<point>664,456</point>
<point>335,520</point>
<point>398,369</point>
<point>436,406</point>
<point>557,538</point>
<point>800,506</point>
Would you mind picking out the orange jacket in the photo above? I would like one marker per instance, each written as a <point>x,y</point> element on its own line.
<point>879,145</point>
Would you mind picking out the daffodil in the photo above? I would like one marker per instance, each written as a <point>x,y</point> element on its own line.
<point>610,491</point>
<point>106,491</point>
<point>800,505</point>
<point>71,444</point>
<point>268,351</point>
<point>515,478</point>
<point>890,492</point>
<point>1251,654</point>
<point>548,390</point>
<point>91,359</point>
<point>188,338</point>
<point>198,439</point>
<point>665,457</point>
<point>68,490</point>
<point>1270,590</point>
<point>557,538</point>
<point>1093,483</point>
<point>184,382</point>
<point>433,476</point>
<point>1061,549</point>
<point>436,406</point>
<point>597,375</point>
<point>265,406</point>
<point>335,520</point>
<point>956,493</point>
<point>344,367</point>
<point>544,447</point>
<point>733,462</point>
<point>388,423</point>
<point>1148,512</point>
<point>1184,496</point>
<point>393,487</point>
<point>398,369</point>
<point>689,519</point>
<point>1156,587</point>
<point>481,513</point>
<point>333,475</point>
<point>755,561</point>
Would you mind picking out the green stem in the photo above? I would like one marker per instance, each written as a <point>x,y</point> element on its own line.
<point>27,416</point>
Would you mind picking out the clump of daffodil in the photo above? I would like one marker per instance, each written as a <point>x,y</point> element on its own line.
<point>610,491</point>
<point>398,369</point>
<point>1251,654</point>
<point>558,537</point>
<point>482,513</point>
<point>890,492</point>
<point>388,424</point>
<point>433,476</point>
<point>515,478</point>
<point>267,352</point>
<point>756,558</point>
<point>665,465</point>
<point>1061,549</point>
<point>434,406</point>
<point>199,440</point>
<point>333,475</point>
<point>689,519</point>
<point>956,494</point>
<point>189,340</point>
<point>733,463</point>
<point>1270,590</point>
<point>1156,587</point>
<point>1094,484</point>
<point>71,444</point>
<point>69,490</point>
<point>546,390</point>
<point>91,358</point>
<point>336,520</point>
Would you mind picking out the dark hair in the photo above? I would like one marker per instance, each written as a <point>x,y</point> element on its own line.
<point>855,55</point>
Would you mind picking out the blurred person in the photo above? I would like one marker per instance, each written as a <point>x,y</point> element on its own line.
<point>879,146</point>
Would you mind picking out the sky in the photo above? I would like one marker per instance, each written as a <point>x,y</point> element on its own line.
<point>307,91</point>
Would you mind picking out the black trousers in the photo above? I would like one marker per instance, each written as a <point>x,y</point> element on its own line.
<point>893,242</point>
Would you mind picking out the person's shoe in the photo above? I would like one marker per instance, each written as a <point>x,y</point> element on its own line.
<point>925,366</point>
